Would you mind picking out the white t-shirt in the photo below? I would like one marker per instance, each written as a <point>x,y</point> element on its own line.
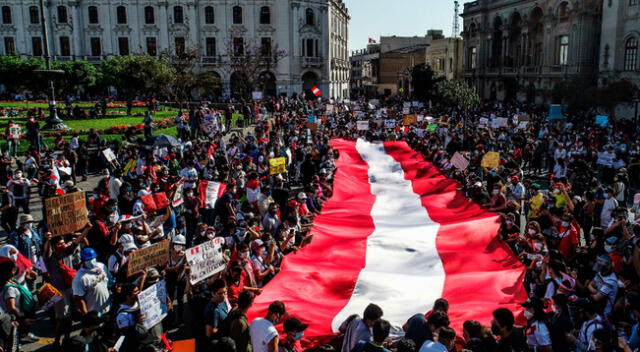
<point>609,205</point>
<point>538,334</point>
<point>92,286</point>
<point>262,332</point>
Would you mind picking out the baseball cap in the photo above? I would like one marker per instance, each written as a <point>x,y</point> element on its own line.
<point>256,244</point>
<point>129,246</point>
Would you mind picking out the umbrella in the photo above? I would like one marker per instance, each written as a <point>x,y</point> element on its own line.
<point>162,140</point>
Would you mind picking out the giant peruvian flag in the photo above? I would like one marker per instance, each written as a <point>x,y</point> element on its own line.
<point>396,233</point>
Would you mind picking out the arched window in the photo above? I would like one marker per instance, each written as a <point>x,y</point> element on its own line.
<point>178,14</point>
<point>209,17</point>
<point>149,17</point>
<point>121,15</point>
<point>563,10</point>
<point>6,15</point>
<point>265,15</point>
<point>237,15</point>
<point>62,14</point>
<point>310,18</point>
<point>631,54</point>
<point>34,15</point>
<point>93,14</point>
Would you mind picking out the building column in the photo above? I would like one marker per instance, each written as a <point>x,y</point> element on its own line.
<point>194,34</point>
<point>77,50</point>
<point>163,23</point>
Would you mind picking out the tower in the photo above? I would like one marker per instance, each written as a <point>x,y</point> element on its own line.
<point>456,19</point>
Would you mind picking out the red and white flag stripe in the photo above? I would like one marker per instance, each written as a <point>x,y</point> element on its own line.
<point>396,233</point>
<point>209,192</point>
<point>316,91</point>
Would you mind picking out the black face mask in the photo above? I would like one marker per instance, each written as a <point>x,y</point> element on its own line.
<point>495,329</point>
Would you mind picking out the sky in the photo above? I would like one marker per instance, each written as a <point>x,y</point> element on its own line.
<point>375,18</point>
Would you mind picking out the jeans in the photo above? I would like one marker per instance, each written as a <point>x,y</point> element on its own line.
<point>13,146</point>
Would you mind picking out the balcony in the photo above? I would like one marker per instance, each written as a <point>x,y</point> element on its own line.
<point>94,59</point>
<point>311,61</point>
<point>63,58</point>
<point>210,60</point>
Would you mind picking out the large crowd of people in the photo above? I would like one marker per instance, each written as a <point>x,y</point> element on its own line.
<point>564,191</point>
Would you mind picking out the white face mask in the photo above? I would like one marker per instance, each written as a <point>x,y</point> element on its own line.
<point>538,245</point>
<point>528,315</point>
<point>90,264</point>
<point>496,191</point>
<point>14,257</point>
<point>243,255</point>
<point>532,231</point>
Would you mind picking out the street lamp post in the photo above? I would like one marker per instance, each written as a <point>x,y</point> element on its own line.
<point>53,122</point>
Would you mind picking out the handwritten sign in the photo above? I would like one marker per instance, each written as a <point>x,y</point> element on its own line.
<point>109,155</point>
<point>66,214</point>
<point>389,123</point>
<point>410,119</point>
<point>15,131</point>
<point>277,165</point>
<point>153,304</point>
<point>205,260</point>
<point>459,161</point>
<point>154,255</point>
<point>257,95</point>
<point>491,160</point>
<point>362,125</point>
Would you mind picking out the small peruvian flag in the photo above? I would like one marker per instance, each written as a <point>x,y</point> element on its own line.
<point>372,41</point>
<point>316,91</point>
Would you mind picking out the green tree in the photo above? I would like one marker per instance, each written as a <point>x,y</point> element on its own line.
<point>136,74</point>
<point>77,74</point>
<point>18,74</point>
<point>183,78</point>
<point>457,93</point>
<point>207,83</point>
<point>424,82</point>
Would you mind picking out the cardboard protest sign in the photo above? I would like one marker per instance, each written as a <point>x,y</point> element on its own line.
<point>491,160</point>
<point>362,125</point>
<point>411,119</point>
<point>155,201</point>
<point>154,255</point>
<point>524,117</point>
<point>66,214</point>
<point>205,260</point>
<point>153,304</point>
<point>109,155</point>
<point>459,161</point>
<point>432,127</point>
<point>313,126</point>
<point>277,165</point>
<point>15,131</point>
<point>389,123</point>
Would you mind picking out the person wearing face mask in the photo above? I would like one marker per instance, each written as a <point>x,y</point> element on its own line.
<point>568,236</point>
<point>535,201</point>
<point>560,324</point>
<point>271,220</point>
<point>608,207</point>
<point>192,207</point>
<point>509,231</point>
<point>19,187</point>
<point>129,309</point>
<point>90,285</point>
<point>293,332</point>
<point>536,330</point>
<point>511,338</point>
<point>604,287</point>
<point>498,201</point>
<point>26,239</point>
<point>261,262</point>
<point>117,262</point>
<point>264,336</point>
<point>175,273</point>
<point>611,247</point>
<point>217,309</point>
<point>88,339</point>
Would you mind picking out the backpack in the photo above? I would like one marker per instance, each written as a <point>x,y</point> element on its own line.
<point>225,326</point>
<point>27,302</point>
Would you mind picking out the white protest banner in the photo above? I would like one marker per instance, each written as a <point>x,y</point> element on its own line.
<point>406,111</point>
<point>205,260</point>
<point>522,125</point>
<point>15,131</point>
<point>406,104</point>
<point>420,118</point>
<point>362,125</point>
<point>374,102</point>
<point>153,304</point>
<point>109,155</point>
<point>420,132</point>
<point>483,121</point>
<point>256,95</point>
<point>389,123</point>
<point>459,161</point>
<point>350,125</point>
<point>503,121</point>
<point>495,124</point>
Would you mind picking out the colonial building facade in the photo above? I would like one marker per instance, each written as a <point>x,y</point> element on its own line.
<point>312,34</point>
<point>619,41</point>
<point>519,50</point>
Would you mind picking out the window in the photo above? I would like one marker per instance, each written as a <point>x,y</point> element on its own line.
<point>310,48</point>
<point>265,47</point>
<point>149,18</point>
<point>473,59</point>
<point>441,64</point>
<point>151,46</point>
<point>65,46</point>
<point>36,44</point>
<point>6,15</point>
<point>96,49</point>
<point>178,14</point>
<point>630,54</point>
<point>62,14</point>
<point>123,45</point>
<point>121,15</point>
<point>563,50</point>
<point>34,15</point>
<point>93,14</point>
<point>237,15</point>
<point>633,2</point>
<point>209,17</point>
<point>310,17</point>
<point>238,47</point>
<point>563,10</point>
<point>210,46</point>
<point>179,42</point>
<point>265,15</point>
<point>9,45</point>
